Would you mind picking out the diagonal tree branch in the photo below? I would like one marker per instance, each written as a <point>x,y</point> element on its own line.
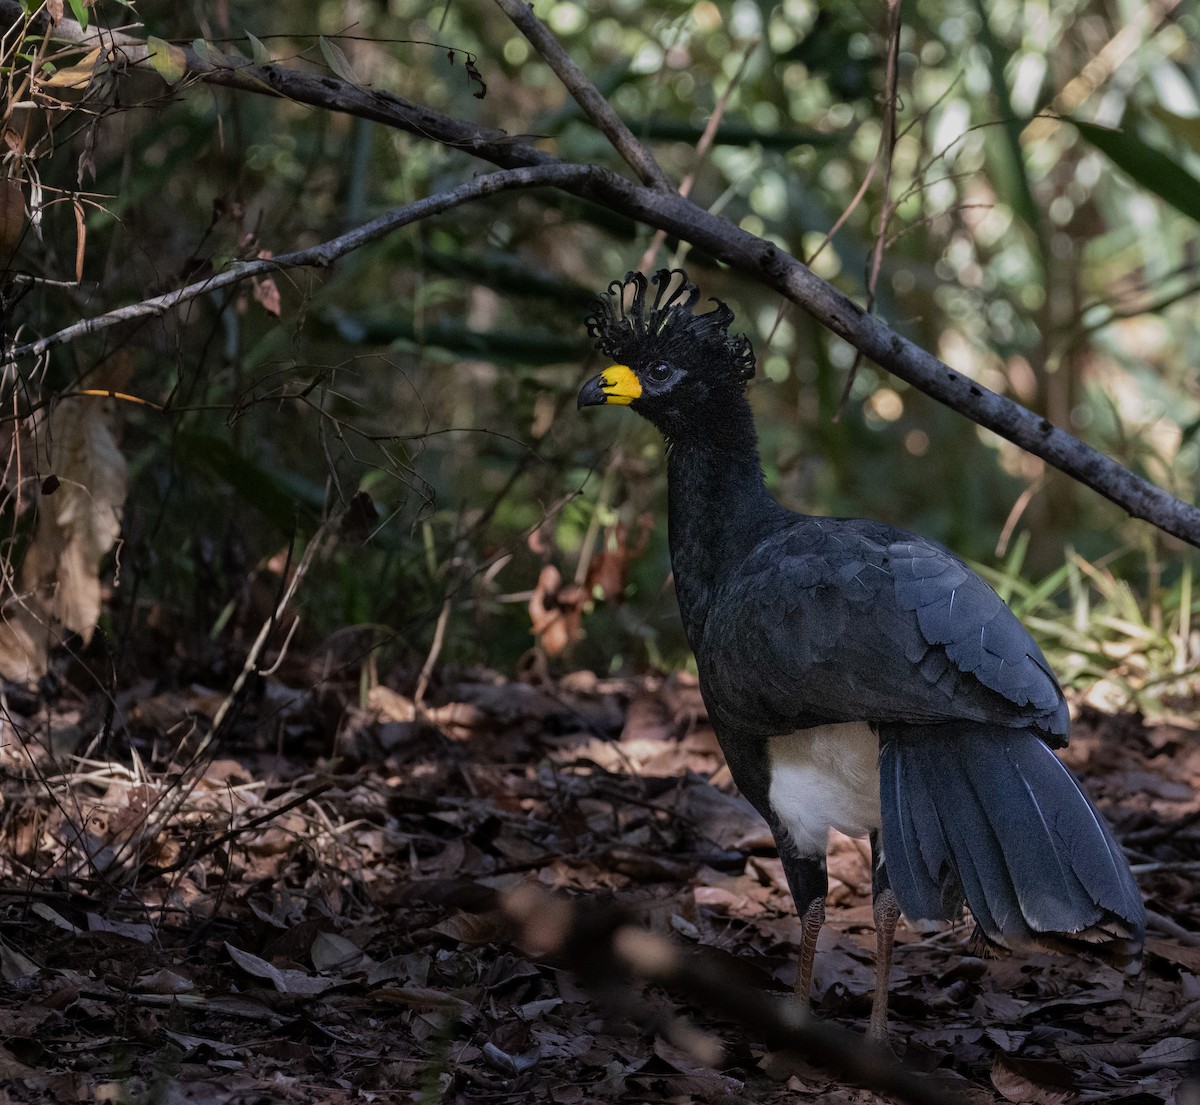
<point>760,260</point>
<point>586,94</point>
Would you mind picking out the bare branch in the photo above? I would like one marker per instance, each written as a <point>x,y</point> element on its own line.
<point>604,948</point>
<point>577,82</point>
<point>319,256</point>
<point>760,260</point>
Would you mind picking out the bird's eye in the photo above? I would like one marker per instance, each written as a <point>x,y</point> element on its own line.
<point>658,373</point>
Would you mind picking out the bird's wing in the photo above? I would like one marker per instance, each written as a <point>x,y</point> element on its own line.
<point>835,619</point>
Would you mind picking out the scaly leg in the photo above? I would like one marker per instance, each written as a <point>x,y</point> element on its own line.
<point>887,913</point>
<point>813,919</point>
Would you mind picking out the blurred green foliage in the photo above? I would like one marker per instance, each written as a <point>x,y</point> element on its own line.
<point>436,370</point>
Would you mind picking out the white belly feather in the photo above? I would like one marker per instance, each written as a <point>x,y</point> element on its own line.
<point>823,777</point>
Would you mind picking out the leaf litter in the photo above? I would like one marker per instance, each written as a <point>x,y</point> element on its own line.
<point>308,913</point>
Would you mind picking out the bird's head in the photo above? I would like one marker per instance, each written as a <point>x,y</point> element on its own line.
<point>682,371</point>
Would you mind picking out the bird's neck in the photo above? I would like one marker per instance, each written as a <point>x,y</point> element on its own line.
<point>719,510</point>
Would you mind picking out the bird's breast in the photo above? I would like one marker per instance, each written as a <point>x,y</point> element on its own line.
<point>824,777</point>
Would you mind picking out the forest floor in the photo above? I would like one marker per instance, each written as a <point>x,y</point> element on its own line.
<point>302,909</point>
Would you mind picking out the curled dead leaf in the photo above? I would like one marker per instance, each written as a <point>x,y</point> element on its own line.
<point>266,295</point>
<point>556,611</point>
<point>608,572</point>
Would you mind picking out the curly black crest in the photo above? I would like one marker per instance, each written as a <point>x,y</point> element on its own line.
<point>670,329</point>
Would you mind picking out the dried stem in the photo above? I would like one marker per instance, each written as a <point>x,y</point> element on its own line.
<point>887,148</point>
<point>702,147</point>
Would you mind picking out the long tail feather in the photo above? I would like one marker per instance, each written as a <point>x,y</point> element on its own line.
<point>991,815</point>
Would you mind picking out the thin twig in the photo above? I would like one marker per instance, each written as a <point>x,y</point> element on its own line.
<point>238,830</point>
<point>435,648</point>
<point>701,152</point>
<point>1014,515</point>
<point>250,666</point>
<point>580,86</point>
<point>885,154</point>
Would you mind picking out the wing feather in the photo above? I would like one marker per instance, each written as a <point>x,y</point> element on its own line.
<point>835,619</point>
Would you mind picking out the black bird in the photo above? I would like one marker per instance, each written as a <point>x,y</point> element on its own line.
<point>859,676</point>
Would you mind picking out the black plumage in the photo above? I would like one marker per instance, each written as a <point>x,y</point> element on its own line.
<point>860,676</point>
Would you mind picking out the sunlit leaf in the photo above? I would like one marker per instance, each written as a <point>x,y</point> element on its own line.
<point>1185,128</point>
<point>168,61</point>
<point>80,8</point>
<point>1150,167</point>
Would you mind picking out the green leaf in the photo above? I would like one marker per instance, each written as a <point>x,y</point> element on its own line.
<point>337,60</point>
<point>209,54</point>
<point>1149,167</point>
<point>261,55</point>
<point>168,61</point>
<point>285,507</point>
<point>1185,128</point>
<point>79,7</point>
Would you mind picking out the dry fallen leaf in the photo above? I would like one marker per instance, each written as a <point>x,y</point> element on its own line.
<point>80,522</point>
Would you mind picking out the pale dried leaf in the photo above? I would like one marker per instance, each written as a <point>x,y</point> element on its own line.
<point>80,522</point>
<point>335,58</point>
<point>166,982</point>
<point>80,240</point>
<point>1174,1049</point>
<point>131,930</point>
<point>78,75</point>
<point>266,294</point>
<point>22,658</point>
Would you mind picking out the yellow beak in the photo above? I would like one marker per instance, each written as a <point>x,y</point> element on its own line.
<point>616,384</point>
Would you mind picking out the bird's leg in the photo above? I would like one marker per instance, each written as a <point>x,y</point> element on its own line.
<point>887,913</point>
<point>812,920</point>
<point>809,884</point>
